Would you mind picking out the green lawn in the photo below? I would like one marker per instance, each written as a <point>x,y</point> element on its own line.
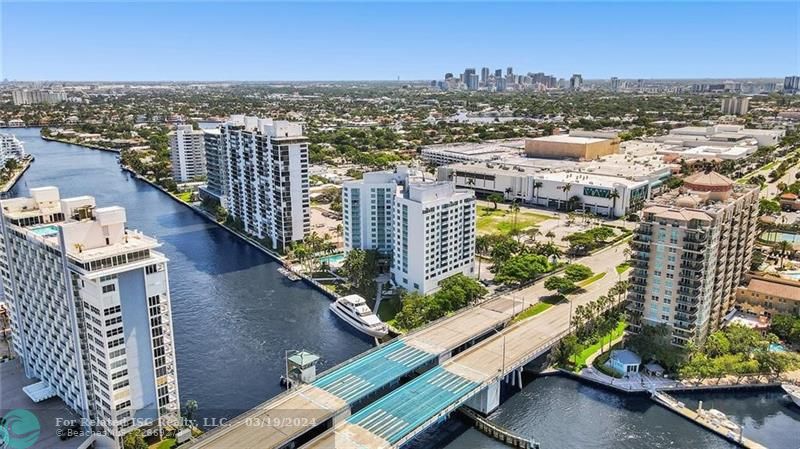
<point>501,221</point>
<point>538,308</point>
<point>580,360</point>
<point>596,277</point>
<point>166,443</point>
<point>623,267</point>
<point>390,305</point>
<point>184,196</point>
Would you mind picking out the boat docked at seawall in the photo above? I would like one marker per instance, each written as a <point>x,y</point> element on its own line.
<point>354,311</point>
<point>793,391</point>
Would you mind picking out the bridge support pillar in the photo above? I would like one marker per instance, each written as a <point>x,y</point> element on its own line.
<point>341,416</point>
<point>487,400</point>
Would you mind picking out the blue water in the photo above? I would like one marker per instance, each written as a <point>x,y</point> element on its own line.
<point>781,236</point>
<point>332,259</point>
<point>45,230</point>
<point>234,315</point>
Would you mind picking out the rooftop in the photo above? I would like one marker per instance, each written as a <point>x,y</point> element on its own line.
<point>562,138</point>
<point>777,287</point>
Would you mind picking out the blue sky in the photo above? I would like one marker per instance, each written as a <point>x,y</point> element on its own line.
<point>411,40</point>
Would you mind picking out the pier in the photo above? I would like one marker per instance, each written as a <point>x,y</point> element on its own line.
<point>498,432</point>
<point>703,420</point>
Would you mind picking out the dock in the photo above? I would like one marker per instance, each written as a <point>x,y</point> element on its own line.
<point>703,420</point>
<point>498,432</point>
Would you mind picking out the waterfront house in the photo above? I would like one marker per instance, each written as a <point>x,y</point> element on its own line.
<point>624,361</point>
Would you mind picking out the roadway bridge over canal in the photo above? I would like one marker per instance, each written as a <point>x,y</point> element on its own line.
<point>460,359</point>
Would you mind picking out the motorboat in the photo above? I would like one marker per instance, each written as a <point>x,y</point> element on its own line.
<point>793,391</point>
<point>354,311</point>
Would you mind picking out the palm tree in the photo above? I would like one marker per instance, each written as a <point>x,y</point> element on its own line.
<point>508,192</point>
<point>515,211</point>
<point>470,181</point>
<point>339,232</point>
<point>785,247</point>
<point>536,186</point>
<point>550,235</point>
<point>614,195</point>
<point>566,188</point>
<point>481,248</point>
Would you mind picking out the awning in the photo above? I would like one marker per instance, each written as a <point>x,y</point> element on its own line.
<point>39,391</point>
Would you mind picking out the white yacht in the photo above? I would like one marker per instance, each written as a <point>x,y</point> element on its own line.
<point>793,391</point>
<point>353,310</point>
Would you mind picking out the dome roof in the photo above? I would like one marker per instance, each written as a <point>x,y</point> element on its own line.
<point>708,182</point>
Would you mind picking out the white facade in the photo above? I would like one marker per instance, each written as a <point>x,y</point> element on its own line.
<point>735,105</point>
<point>90,310</point>
<point>35,96</point>
<point>721,135</point>
<point>187,153</point>
<point>267,178</point>
<point>10,148</point>
<point>434,235</point>
<point>589,192</point>
<point>367,206</point>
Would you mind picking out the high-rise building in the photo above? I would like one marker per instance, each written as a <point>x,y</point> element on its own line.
<point>473,81</point>
<point>187,153</point>
<point>735,105</point>
<point>367,210</point>
<point>484,75</point>
<point>498,73</point>
<point>614,83</point>
<point>500,84</point>
<point>434,235</point>
<point>509,71</point>
<point>90,310</point>
<point>216,167</point>
<point>267,178</point>
<point>576,81</point>
<point>36,96</point>
<point>791,84</point>
<point>10,148</point>
<point>691,251</point>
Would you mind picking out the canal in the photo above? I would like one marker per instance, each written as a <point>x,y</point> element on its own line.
<point>233,314</point>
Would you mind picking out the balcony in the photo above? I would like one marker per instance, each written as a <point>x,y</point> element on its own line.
<point>689,301</point>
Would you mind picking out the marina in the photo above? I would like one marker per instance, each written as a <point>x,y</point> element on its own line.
<point>353,310</point>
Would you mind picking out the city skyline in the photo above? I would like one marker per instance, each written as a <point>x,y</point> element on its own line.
<point>335,41</point>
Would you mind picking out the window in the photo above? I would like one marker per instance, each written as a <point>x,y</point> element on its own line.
<point>109,288</point>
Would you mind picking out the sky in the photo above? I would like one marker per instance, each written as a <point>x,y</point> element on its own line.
<point>267,41</point>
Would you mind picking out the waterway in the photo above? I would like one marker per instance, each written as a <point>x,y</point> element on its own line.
<point>234,317</point>
<point>233,314</point>
<point>566,414</point>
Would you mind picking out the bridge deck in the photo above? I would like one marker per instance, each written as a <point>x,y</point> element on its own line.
<point>303,408</point>
<point>403,412</point>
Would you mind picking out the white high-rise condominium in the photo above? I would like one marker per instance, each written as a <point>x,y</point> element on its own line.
<point>216,166</point>
<point>267,178</point>
<point>434,235</point>
<point>367,209</point>
<point>187,153</point>
<point>10,148</point>
<point>690,252</point>
<point>735,105</point>
<point>90,310</point>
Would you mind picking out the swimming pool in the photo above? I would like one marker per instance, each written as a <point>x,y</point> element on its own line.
<point>792,274</point>
<point>773,236</point>
<point>45,231</point>
<point>776,347</point>
<point>333,259</point>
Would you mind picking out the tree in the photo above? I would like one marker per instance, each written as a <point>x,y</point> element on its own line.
<point>189,411</point>
<point>495,198</point>
<point>134,440</point>
<point>564,350</point>
<point>361,267</point>
<point>566,189</point>
<point>786,327</point>
<point>767,207</point>
<point>515,211</point>
<point>560,284</point>
<point>482,246</point>
<point>522,268</point>
<point>614,195</point>
<point>785,248</point>
<point>577,272</point>
<point>550,235</point>
<point>536,186</point>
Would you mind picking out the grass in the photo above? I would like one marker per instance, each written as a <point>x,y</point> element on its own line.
<point>580,360</point>
<point>501,221</point>
<point>166,443</point>
<point>390,305</point>
<point>600,363</point>
<point>184,196</point>
<point>588,281</point>
<point>623,267</point>
<point>538,308</point>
